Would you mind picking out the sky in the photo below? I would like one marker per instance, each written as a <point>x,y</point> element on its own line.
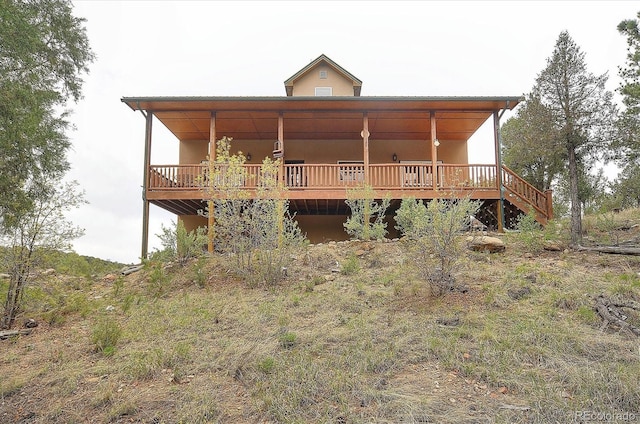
<point>216,48</point>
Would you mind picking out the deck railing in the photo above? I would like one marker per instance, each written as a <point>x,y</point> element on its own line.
<point>392,177</point>
<point>519,187</point>
<point>331,176</point>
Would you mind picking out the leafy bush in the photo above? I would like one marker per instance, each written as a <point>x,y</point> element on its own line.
<point>530,231</point>
<point>433,231</point>
<point>180,245</point>
<point>350,266</point>
<point>406,216</point>
<point>366,221</point>
<point>259,233</point>
<point>158,279</point>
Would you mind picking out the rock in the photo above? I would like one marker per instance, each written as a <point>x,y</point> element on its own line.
<point>486,244</point>
<point>475,224</point>
<point>110,308</point>
<point>49,271</point>
<point>360,252</point>
<point>30,323</point>
<point>109,278</point>
<point>552,246</point>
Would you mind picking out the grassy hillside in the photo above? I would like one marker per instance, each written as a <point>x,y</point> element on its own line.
<point>351,336</point>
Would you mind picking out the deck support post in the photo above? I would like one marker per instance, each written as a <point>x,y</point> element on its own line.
<point>365,142</point>
<point>145,185</point>
<point>496,137</point>
<point>210,203</point>
<point>281,181</point>
<point>434,151</point>
<point>281,140</point>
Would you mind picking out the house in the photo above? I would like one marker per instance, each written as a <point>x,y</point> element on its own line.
<point>331,138</point>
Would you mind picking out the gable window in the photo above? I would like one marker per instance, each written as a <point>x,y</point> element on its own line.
<point>324,91</point>
<point>323,74</point>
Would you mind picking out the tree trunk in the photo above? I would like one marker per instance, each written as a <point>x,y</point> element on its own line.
<point>576,210</point>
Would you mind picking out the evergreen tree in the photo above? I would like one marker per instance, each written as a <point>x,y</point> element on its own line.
<point>530,144</point>
<point>581,112</point>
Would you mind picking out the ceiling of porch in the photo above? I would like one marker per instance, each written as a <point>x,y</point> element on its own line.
<point>320,119</point>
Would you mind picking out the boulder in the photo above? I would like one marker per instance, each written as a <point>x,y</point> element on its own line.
<point>486,244</point>
<point>552,246</point>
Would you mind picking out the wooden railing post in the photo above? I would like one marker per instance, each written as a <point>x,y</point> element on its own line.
<point>549,198</point>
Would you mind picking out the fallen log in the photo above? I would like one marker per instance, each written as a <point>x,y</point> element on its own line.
<point>515,407</point>
<point>131,270</point>
<point>5,334</point>
<point>611,314</point>
<point>615,250</point>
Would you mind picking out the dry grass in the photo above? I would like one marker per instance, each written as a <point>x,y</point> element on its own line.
<point>369,344</point>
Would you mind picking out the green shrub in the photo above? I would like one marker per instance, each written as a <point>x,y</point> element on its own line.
<point>406,216</point>
<point>530,231</point>
<point>266,365</point>
<point>105,336</point>
<point>158,279</point>
<point>350,266</point>
<point>287,340</point>
<point>434,237</point>
<point>259,233</point>
<point>200,272</point>
<point>366,221</point>
<point>180,245</point>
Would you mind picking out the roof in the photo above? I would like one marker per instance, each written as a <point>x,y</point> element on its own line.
<point>317,118</point>
<point>357,84</point>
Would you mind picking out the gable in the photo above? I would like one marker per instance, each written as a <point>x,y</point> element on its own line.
<point>323,77</point>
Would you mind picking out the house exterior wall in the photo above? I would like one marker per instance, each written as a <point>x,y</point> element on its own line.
<point>192,152</point>
<point>191,222</point>
<point>305,86</point>
<point>331,151</point>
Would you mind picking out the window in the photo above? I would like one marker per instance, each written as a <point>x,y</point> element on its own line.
<point>323,74</point>
<point>324,91</point>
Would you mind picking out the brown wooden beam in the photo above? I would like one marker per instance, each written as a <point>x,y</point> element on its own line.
<point>365,141</point>
<point>434,151</point>
<point>145,185</point>
<point>210,204</point>
<point>496,139</point>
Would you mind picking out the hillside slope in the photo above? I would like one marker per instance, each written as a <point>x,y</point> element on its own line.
<point>351,336</point>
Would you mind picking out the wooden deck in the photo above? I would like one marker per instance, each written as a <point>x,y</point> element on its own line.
<point>322,188</point>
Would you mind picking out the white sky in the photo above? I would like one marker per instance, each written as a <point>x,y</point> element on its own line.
<point>201,48</point>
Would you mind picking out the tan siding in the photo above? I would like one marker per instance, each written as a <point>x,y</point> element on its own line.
<point>306,85</point>
<point>191,222</point>
<point>330,151</point>
<point>192,152</point>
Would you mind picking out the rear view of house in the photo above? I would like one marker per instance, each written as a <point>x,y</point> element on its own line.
<point>330,138</point>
